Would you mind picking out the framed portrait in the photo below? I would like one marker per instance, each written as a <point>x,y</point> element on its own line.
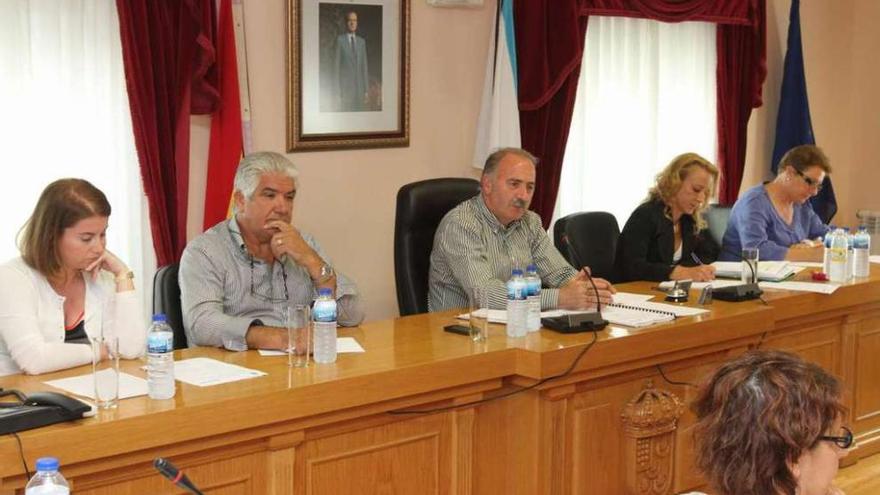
<point>347,74</point>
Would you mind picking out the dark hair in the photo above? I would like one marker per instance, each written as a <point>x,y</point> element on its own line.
<point>61,205</point>
<point>756,415</point>
<point>803,157</point>
<point>495,158</point>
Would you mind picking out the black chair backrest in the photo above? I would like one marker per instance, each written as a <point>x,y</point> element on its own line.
<point>717,217</point>
<point>420,207</point>
<point>592,236</point>
<point>166,299</point>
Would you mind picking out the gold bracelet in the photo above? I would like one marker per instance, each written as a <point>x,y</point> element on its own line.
<point>122,277</point>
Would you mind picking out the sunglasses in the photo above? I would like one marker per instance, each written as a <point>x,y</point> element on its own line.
<point>811,182</point>
<point>846,441</point>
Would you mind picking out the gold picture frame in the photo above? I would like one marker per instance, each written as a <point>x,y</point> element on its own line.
<point>347,74</point>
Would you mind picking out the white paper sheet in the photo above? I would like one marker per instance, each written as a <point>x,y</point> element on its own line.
<point>204,372</point>
<point>629,298</point>
<point>874,258</point>
<point>84,385</point>
<point>343,345</point>
<point>807,264</point>
<point>820,287</point>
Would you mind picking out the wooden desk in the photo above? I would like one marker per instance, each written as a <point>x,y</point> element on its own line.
<point>612,426</point>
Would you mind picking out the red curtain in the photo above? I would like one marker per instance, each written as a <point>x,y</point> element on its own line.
<point>227,143</point>
<point>549,42</point>
<point>167,50</point>
<point>742,68</point>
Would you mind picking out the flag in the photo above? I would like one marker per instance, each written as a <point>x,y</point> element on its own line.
<point>793,125</point>
<point>226,142</point>
<point>498,125</point>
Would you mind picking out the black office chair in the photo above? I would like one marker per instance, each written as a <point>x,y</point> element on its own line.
<point>420,207</point>
<point>717,217</point>
<point>166,299</point>
<point>592,240</point>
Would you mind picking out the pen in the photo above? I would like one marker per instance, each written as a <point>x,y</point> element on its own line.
<point>696,259</point>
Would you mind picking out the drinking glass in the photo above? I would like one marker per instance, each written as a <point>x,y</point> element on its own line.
<point>479,314</point>
<point>299,335</point>
<point>105,371</point>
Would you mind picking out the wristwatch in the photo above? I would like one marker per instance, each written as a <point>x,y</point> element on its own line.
<point>122,277</point>
<point>327,272</point>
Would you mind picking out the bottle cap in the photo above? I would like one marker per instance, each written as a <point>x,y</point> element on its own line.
<point>159,317</point>
<point>517,271</point>
<point>324,291</point>
<point>47,464</point>
<point>532,268</point>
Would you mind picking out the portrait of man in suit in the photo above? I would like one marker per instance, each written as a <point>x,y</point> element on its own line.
<point>350,57</point>
<point>350,66</point>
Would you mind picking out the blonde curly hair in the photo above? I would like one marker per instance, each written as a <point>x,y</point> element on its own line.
<point>668,182</point>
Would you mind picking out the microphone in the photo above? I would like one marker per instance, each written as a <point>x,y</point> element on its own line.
<point>742,292</point>
<point>578,322</point>
<point>176,476</point>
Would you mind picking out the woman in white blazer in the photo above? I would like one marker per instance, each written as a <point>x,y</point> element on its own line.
<point>66,287</point>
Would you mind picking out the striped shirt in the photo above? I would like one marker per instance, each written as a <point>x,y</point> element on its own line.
<point>473,249</point>
<point>219,305</point>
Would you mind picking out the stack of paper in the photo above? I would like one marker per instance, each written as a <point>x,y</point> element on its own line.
<point>767,270</point>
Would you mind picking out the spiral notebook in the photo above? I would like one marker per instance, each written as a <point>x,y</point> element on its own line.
<point>631,314</point>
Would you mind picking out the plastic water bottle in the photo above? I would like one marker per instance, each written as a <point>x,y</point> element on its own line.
<point>47,480</point>
<point>533,296</point>
<point>850,255</point>
<point>862,250</point>
<point>837,257</point>
<point>517,305</point>
<point>324,315</point>
<point>160,359</point>
<point>826,260</point>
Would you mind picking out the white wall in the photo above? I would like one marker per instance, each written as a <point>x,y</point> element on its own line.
<point>347,198</point>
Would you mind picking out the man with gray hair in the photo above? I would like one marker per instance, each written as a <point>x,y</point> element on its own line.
<point>237,276</point>
<point>479,242</point>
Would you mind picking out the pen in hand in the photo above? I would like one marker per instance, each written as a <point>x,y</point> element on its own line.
<point>696,258</point>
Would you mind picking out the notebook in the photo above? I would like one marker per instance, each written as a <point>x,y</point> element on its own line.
<point>773,271</point>
<point>633,314</point>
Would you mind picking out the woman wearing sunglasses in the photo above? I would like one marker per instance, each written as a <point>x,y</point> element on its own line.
<point>775,217</point>
<point>769,423</point>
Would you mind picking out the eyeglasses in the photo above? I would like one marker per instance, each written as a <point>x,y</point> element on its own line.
<point>844,441</point>
<point>254,293</point>
<point>811,182</point>
<point>267,298</point>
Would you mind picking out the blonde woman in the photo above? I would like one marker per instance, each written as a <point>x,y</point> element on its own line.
<point>665,237</point>
<point>66,287</point>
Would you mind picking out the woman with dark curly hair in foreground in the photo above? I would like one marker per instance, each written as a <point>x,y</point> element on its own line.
<point>769,423</point>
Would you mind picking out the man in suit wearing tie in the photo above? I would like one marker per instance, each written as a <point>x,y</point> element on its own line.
<point>351,68</point>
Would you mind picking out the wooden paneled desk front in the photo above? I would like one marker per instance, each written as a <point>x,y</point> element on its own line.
<point>612,426</point>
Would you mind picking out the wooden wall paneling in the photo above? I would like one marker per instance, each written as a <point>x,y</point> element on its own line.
<point>866,384</point>
<point>239,475</point>
<point>408,456</point>
<point>555,440</point>
<point>281,458</point>
<point>816,340</point>
<point>598,454</point>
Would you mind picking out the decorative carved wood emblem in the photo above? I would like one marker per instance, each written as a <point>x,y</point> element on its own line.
<point>649,423</point>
